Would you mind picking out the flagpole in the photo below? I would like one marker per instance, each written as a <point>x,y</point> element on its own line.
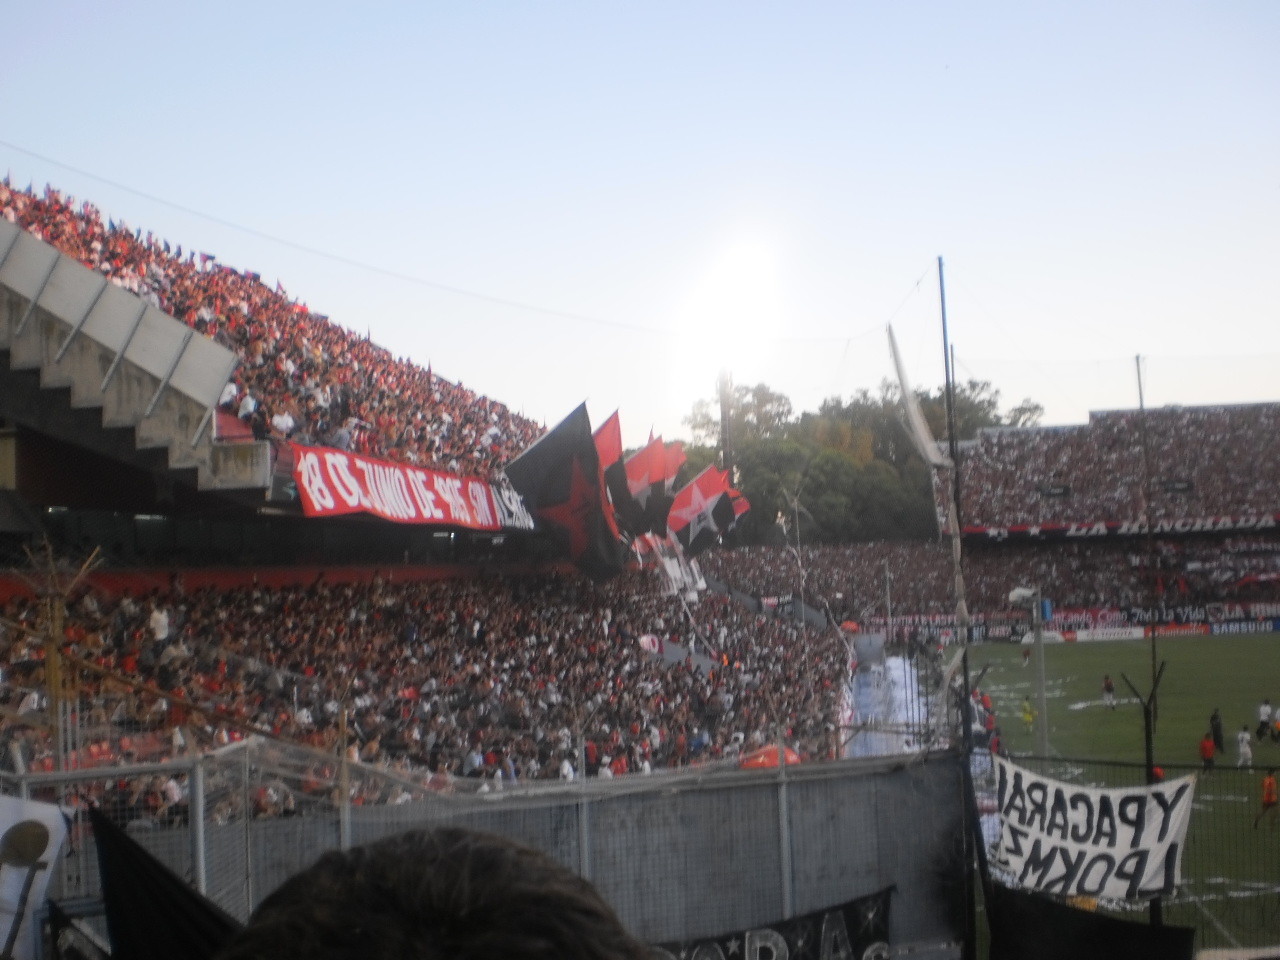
<point>973,844</point>
<point>949,391</point>
<point>1152,563</point>
<point>693,626</point>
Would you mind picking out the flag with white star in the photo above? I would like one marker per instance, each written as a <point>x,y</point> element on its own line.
<point>704,510</point>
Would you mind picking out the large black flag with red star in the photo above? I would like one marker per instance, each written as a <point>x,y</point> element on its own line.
<point>560,480</point>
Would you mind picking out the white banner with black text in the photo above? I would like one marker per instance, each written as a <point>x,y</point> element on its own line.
<point>1122,843</point>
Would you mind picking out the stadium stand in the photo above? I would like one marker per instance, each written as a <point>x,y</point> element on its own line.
<point>467,681</point>
<point>849,580</point>
<point>1205,462</point>
<point>301,377</point>
<point>487,678</point>
<point>510,676</point>
<point>1068,508</point>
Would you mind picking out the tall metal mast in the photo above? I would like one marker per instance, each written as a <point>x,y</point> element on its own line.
<point>949,392</point>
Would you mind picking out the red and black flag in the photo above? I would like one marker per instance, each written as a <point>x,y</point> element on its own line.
<point>704,510</point>
<point>651,474</point>
<point>609,447</point>
<point>560,480</point>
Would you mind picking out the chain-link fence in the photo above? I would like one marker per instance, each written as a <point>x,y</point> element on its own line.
<point>1230,889</point>
<point>679,855</point>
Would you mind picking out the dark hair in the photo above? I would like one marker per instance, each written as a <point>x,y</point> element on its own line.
<point>446,894</point>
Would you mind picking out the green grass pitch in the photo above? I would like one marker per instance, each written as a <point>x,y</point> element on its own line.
<point>1232,673</point>
<point>1231,871</point>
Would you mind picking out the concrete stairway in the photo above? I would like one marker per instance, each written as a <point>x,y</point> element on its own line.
<point>114,352</point>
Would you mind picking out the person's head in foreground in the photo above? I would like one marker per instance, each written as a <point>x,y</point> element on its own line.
<point>445,894</point>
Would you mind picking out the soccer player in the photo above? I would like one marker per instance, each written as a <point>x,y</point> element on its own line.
<point>1244,747</point>
<point>1269,799</point>
<point>1215,727</point>
<point>1108,691</point>
<point>1207,751</point>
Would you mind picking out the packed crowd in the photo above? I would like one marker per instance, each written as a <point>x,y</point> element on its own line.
<point>494,679</point>
<point>301,377</point>
<point>1203,462</point>
<point>857,580</point>
<point>488,682</point>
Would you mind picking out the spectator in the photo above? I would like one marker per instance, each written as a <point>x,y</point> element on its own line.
<point>447,892</point>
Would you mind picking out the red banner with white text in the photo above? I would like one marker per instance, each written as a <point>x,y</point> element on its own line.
<point>332,483</point>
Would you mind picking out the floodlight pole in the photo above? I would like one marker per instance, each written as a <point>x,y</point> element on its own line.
<point>725,389</point>
<point>1148,738</point>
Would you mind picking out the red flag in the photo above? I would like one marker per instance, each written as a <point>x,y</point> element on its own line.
<point>608,440</point>
<point>645,468</point>
<point>650,476</point>
<point>673,460</point>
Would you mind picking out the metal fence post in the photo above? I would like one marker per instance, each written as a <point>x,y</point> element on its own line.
<point>784,837</point>
<point>344,786</point>
<point>246,817</point>
<point>584,834</point>
<point>344,817</point>
<point>198,853</point>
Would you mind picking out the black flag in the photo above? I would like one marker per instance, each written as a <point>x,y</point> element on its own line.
<point>1030,925</point>
<point>151,913</point>
<point>560,480</point>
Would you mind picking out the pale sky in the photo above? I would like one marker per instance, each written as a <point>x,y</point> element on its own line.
<point>555,202</point>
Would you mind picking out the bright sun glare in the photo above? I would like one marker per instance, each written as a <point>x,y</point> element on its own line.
<point>735,308</point>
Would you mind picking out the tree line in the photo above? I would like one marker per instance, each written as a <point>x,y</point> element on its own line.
<point>846,472</point>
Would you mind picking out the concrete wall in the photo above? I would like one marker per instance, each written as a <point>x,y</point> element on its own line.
<point>679,856</point>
